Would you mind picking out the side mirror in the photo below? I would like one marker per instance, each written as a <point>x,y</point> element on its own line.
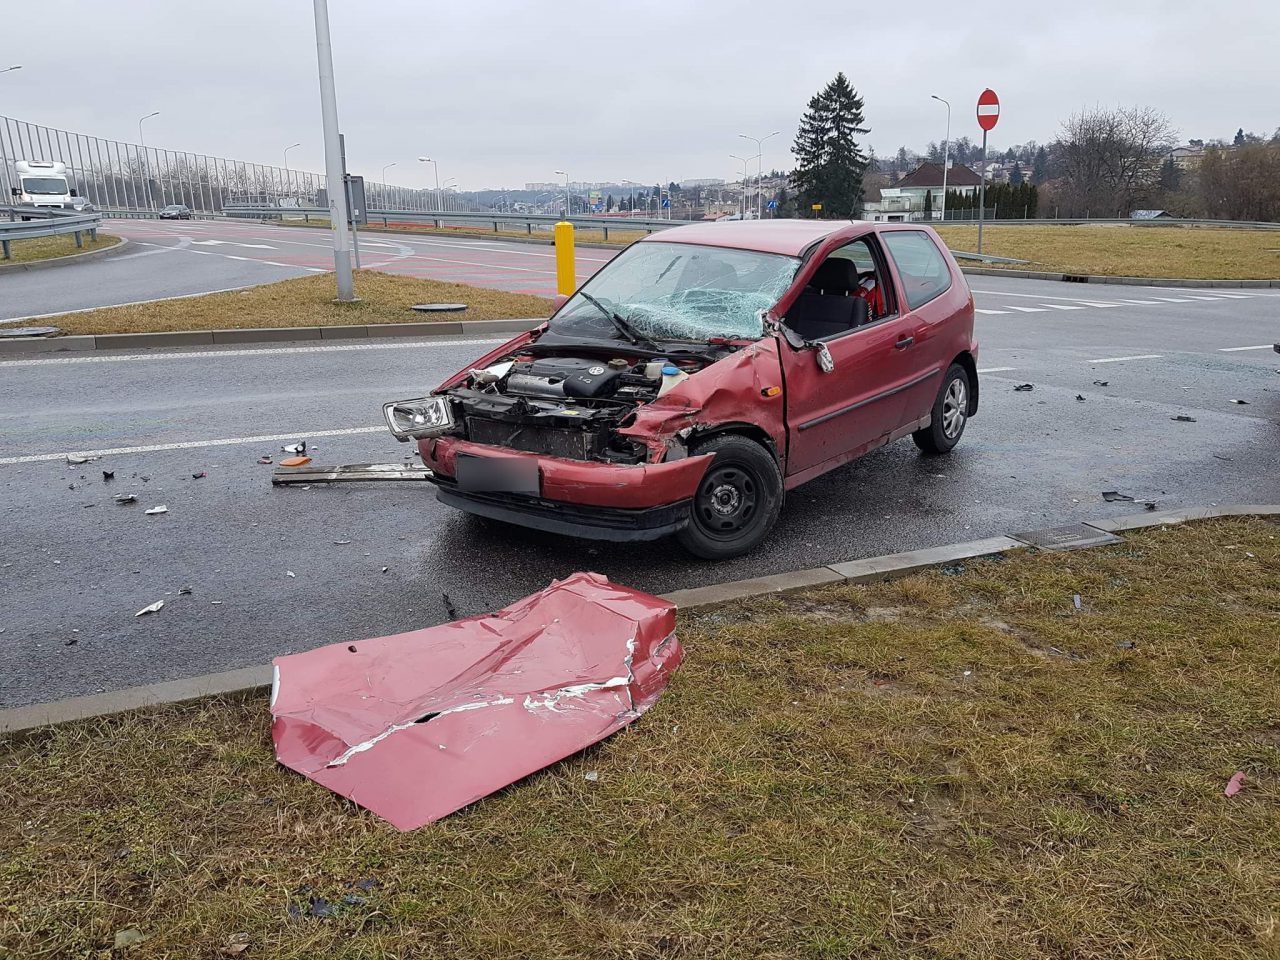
<point>74,193</point>
<point>560,300</point>
<point>15,191</point>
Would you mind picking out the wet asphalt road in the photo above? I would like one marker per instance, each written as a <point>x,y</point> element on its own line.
<point>76,566</point>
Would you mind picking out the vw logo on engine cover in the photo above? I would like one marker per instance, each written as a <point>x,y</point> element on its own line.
<point>596,371</point>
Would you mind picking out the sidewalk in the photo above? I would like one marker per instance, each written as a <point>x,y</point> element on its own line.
<point>1022,755</point>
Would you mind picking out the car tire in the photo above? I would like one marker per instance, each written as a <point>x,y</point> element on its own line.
<point>737,500</point>
<point>950,413</point>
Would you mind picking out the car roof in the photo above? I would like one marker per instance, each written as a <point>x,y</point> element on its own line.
<point>788,237</point>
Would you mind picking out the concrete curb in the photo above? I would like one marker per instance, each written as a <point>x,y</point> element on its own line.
<point>206,338</point>
<point>82,257</point>
<point>1124,281</point>
<point>249,680</point>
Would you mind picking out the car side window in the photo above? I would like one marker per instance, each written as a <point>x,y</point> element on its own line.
<point>924,271</point>
<point>872,280</point>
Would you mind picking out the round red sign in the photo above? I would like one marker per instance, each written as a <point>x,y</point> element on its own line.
<point>988,109</point>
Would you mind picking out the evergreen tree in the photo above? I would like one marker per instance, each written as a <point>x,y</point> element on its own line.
<point>608,204</point>
<point>928,204</point>
<point>1239,139</point>
<point>1015,175</point>
<point>1039,166</point>
<point>1170,175</point>
<point>829,165</point>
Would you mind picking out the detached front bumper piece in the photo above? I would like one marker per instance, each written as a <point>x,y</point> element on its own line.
<point>418,725</point>
<point>595,501</point>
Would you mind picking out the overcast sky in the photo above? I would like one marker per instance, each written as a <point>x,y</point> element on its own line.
<point>502,92</point>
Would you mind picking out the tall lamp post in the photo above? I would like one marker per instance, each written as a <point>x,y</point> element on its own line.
<point>561,173</point>
<point>288,178</point>
<point>146,161</point>
<point>946,155</point>
<point>385,168</point>
<point>436,168</point>
<point>759,142</point>
<point>4,161</point>
<point>742,208</point>
<point>333,166</point>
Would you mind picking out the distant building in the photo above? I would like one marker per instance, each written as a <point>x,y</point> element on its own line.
<point>1150,215</point>
<point>906,201</point>
<point>1188,157</point>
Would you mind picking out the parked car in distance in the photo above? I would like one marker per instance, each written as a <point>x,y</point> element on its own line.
<point>82,205</point>
<point>176,211</point>
<point>700,374</point>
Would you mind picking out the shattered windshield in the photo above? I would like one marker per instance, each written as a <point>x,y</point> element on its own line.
<point>679,291</point>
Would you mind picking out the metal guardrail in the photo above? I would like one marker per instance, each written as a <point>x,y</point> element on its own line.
<point>30,223</point>
<point>963,255</point>
<point>444,218</point>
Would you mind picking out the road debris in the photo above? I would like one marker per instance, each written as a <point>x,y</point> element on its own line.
<point>1127,645</point>
<point>199,476</point>
<point>184,591</point>
<point>299,447</point>
<point>1234,784</point>
<point>127,938</point>
<point>1024,387</point>
<point>341,543</point>
<point>295,461</point>
<point>108,475</point>
<point>74,459</point>
<point>1183,418</point>
<point>290,574</point>
<point>1077,602</point>
<point>420,724</point>
<point>153,608</point>
<point>1080,396</point>
<point>347,473</point>
<point>125,498</point>
<point>1113,496</point>
<point>264,459</point>
<point>954,570</point>
<point>1241,402</point>
<point>1101,383</point>
<point>591,776</point>
<point>156,511</point>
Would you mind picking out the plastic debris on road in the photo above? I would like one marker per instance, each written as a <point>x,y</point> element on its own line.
<point>1244,403</point>
<point>295,461</point>
<point>74,459</point>
<point>1114,496</point>
<point>153,608</point>
<point>264,459</point>
<point>1183,418</point>
<point>418,725</point>
<point>155,511</point>
<point>199,475</point>
<point>108,475</point>
<point>1101,383</point>
<point>1024,387</point>
<point>1234,784</point>
<point>125,498</point>
<point>299,447</point>
<point>1080,397</point>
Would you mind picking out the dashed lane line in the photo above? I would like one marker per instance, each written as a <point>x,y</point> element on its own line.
<point>1262,346</point>
<point>260,351</point>
<point>988,312</point>
<point>1026,309</point>
<point>1141,356</point>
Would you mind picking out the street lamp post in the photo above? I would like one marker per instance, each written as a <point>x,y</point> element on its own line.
<point>385,168</point>
<point>742,207</point>
<point>759,142</point>
<point>4,161</point>
<point>567,210</point>
<point>146,161</point>
<point>946,155</point>
<point>333,166</point>
<point>288,177</point>
<point>436,168</point>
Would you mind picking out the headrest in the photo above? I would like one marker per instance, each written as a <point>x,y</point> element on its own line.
<point>836,275</point>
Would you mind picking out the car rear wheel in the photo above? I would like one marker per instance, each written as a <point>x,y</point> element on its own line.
<point>950,413</point>
<point>736,503</point>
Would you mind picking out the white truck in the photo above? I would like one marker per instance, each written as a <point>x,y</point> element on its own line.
<point>42,183</point>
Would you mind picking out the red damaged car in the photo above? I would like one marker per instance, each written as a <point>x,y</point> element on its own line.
<point>700,374</point>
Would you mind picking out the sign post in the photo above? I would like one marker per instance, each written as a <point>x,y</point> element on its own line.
<point>988,114</point>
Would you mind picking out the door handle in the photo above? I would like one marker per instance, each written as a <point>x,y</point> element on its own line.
<point>905,342</point>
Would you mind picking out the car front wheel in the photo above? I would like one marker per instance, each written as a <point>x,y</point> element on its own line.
<point>950,413</point>
<point>736,503</point>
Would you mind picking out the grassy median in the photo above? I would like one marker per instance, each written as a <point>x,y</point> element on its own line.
<point>309,301</point>
<point>46,248</point>
<point>960,764</point>
<point>617,236</point>
<point>1127,251</point>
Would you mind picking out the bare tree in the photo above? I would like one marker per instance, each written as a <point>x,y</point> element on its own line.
<point>1110,158</point>
<point>1242,183</point>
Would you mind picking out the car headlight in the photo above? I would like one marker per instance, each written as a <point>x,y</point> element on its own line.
<point>414,419</point>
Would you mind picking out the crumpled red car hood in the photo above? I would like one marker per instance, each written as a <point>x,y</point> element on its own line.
<point>420,724</point>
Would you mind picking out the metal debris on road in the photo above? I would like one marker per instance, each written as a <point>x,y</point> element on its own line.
<point>1183,418</point>
<point>418,725</point>
<point>1234,784</point>
<point>1241,402</point>
<point>299,447</point>
<point>199,476</point>
<point>1112,496</point>
<point>153,608</point>
<point>184,591</point>
<point>347,473</point>
<point>1101,383</point>
<point>74,459</point>
<point>154,511</point>
<point>125,498</point>
<point>341,543</point>
<point>264,459</point>
<point>1024,387</point>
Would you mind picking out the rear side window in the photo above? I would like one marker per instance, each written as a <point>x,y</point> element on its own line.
<point>923,269</point>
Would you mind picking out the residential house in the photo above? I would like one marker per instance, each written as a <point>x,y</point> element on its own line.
<point>906,200</point>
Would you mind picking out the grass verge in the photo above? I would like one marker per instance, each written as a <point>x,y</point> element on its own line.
<point>943,766</point>
<point>47,248</point>
<point>1123,251</point>
<point>617,236</point>
<point>308,301</point>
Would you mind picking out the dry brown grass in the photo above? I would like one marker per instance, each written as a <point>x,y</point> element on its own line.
<point>1126,251</point>
<point>46,248</point>
<point>945,766</point>
<point>308,301</point>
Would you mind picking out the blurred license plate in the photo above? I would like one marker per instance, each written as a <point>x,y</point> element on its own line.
<point>498,475</point>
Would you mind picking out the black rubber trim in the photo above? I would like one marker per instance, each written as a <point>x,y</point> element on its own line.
<point>569,519</point>
<point>862,403</point>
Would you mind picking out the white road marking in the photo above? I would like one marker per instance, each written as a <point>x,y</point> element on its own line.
<point>231,243</point>
<point>1026,309</point>
<point>128,303</point>
<point>1198,297</point>
<point>1153,303</point>
<point>995,369</point>
<point>1037,296</point>
<point>988,312</point>
<point>1233,296</point>
<point>1263,346</point>
<point>1174,299</point>
<point>1061,306</point>
<point>262,351</point>
<point>189,445</point>
<point>1141,356</point>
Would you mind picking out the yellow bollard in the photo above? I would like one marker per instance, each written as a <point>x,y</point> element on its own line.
<point>566,278</point>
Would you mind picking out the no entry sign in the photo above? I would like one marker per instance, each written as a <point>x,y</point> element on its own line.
<point>988,109</point>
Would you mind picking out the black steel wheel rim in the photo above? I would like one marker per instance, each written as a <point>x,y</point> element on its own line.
<point>728,501</point>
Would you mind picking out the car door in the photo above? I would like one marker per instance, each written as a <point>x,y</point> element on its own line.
<point>924,276</point>
<point>833,417</point>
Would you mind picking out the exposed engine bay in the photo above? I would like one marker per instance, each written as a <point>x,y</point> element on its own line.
<point>563,406</point>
